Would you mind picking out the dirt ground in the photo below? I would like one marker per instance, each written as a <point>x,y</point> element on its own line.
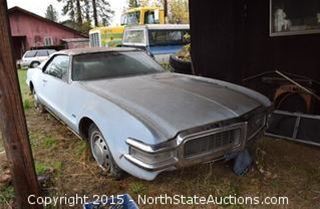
<point>282,168</point>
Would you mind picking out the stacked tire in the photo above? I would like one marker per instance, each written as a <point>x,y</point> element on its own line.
<point>179,65</point>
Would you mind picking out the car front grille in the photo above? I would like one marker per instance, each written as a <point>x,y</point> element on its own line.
<point>207,145</point>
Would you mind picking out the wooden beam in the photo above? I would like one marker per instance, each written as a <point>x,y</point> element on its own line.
<point>12,120</point>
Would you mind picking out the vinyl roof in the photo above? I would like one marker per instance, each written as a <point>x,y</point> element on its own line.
<point>78,51</point>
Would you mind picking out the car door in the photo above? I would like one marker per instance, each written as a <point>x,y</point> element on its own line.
<point>54,84</point>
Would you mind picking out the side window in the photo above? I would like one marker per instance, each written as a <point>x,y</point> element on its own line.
<point>58,67</point>
<point>149,18</point>
<point>42,53</point>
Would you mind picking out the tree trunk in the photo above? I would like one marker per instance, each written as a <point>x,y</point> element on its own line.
<point>79,14</point>
<point>95,15</point>
<point>165,8</point>
<point>13,123</point>
<point>87,6</point>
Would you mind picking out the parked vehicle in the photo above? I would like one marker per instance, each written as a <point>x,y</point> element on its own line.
<point>111,36</point>
<point>33,58</point>
<point>159,41</point>
<point>141,119</point>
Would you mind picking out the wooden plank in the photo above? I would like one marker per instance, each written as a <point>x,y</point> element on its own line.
<point>12,122</point>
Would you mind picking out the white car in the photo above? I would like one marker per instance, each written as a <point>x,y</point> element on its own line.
<point>33,58</point>
<point>140,119</point>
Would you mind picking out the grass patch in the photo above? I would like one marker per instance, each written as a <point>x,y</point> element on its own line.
<point>81,148</point>
<point>26,104</point>
<point>22,75</point>
<point>57,165</point>
<point>42,168</point>
<point>6,195</point>
<point>138,188</point>
<point>49,142</point>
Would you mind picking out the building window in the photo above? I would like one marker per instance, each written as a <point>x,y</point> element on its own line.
<point>48,41</point>
<point>289,17</point>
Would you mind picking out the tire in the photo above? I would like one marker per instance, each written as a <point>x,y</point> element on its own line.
<point>179,65</point>
<point>101,153</point>
<point>37,104</point>
<point>34,64</point>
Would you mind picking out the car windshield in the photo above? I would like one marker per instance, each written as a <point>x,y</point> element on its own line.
<point>167,37</point>
<point>104,65</point>
<point>131,18</point>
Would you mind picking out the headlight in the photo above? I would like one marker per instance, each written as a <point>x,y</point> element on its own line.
<point>255,124</point>
<point>151,158</point>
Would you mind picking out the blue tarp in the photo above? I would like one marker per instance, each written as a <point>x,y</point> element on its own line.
<point>121,201</point>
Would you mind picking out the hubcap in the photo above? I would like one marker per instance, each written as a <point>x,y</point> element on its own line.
<point>100,151</point>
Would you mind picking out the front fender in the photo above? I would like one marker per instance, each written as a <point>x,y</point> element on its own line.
<point>117,125</point>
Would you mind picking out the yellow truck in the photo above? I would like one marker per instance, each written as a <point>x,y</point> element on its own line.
<point>111,36</point>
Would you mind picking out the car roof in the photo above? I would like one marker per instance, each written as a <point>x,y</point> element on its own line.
<point>78,51</point>
<point>31,50</point>
<point>161,26</point>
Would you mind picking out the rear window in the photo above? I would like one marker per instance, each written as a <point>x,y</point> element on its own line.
<point>30,54</point>
<point>134,36</point>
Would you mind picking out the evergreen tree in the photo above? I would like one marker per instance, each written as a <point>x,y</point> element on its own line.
<point>133,4</point>
<point>73,9</point>
<point>51,13</point>
<point>102,9</point>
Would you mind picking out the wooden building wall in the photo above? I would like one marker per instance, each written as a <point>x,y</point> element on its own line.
<point>36,30</point>
<point>230,41</point>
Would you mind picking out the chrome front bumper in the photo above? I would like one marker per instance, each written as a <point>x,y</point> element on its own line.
<point>178,144</point>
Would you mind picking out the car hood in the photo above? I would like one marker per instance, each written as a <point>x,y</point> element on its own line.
<point>170,102</point>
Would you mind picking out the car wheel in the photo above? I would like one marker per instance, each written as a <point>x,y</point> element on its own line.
<point>37,104</point>
<point>101,153</point>
<point>34,64</point>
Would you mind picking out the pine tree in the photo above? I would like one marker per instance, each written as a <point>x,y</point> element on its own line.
<point>133,4</point>
<point>73,9</point>
<point>87,11</point>
<point>102,9</point>
<point>51,13</point>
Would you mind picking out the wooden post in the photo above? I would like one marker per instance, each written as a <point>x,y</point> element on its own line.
<point>12,120</point>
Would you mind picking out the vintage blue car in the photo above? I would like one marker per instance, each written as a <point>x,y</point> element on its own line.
<point>141,119</point>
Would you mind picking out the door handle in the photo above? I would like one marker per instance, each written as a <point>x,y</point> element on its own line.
<point>44,80</point>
